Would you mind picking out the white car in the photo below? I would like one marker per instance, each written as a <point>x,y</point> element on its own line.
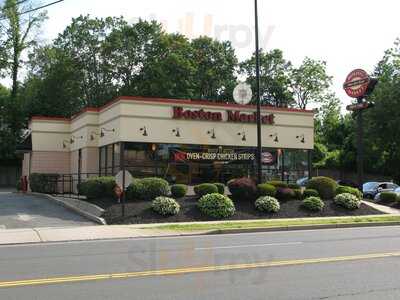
<point>378,196</point>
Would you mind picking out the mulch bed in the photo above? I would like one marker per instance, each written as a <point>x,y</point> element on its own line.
<point>140,212</point>
<point>389,204</point>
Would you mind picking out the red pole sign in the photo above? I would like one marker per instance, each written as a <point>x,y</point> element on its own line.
<point>356,83</point>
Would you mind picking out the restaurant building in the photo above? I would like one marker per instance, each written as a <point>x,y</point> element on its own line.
<point>182,141</point>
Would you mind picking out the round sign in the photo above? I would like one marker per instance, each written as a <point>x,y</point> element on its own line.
<point>267,158</point>
<point>242,93</point>
<point>356,83</point>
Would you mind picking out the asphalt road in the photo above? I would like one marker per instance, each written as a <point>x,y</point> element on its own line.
<point>26,211</point>
<point>323,264</point>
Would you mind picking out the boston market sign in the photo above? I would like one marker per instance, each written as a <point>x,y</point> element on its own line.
<point>232,116</point>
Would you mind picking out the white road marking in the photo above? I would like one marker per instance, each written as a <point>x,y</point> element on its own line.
<point>248,246</point>
<point>24,217</point>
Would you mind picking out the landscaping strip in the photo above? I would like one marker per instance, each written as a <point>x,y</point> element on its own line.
<point>286,224</point>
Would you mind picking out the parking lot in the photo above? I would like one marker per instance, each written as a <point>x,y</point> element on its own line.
<point>28,211</point>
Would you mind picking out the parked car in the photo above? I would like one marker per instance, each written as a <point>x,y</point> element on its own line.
<point>371,189</point>
<point>302,181</point>
<point>378,196</point>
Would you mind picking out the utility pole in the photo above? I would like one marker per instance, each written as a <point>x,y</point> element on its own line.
<point>259,141</point>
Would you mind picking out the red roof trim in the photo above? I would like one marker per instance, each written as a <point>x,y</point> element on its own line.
<point>171,101</point>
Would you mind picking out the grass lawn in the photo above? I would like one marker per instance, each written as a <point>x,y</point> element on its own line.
<point>281,223</point>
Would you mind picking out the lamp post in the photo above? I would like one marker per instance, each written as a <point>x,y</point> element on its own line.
<point>259,142</point>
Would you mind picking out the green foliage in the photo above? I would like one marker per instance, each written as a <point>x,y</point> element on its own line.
<point>298,194</point>
<point>220,187</point>
<point>179,190</point>
<point>313,204</point>
<point>135,190</point>
<point>293,186</point>
<point>267,204</point>
<point>98,187</point>
<point>266,189</point>
<point>285,194</point>
<point>216,206</point>
<point>310,193</point>
<point>349,190</point>
<point>154,187</point>
<point>278,184</point>
<point>348,201</point>
<point>165,206</point>
<point>243,188</point>
<point>388,197</point>
<point>43,183</point>
<point>325,186</point>
<point>205,188</point>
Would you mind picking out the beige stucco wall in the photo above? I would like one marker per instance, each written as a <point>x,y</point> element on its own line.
<point>126,116</point>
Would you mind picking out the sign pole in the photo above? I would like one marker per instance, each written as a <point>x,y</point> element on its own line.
<point>259,142</point>
<point>360,148</point>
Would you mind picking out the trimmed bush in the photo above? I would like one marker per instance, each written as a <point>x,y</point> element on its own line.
<point>313,204</point>
<point>267,204</point>
<point>278,184</point>
<point>216,206</point>
<point>348,201</point>
<point>325,186</point>
<point>266,189</point>
<point>135,190</point>
<point>179,190</point>
<point>43,183</point>
<point>298,194</point>
<point>243,188</point>
<point>165,206</point>
<point>98,187</point>
<point>341,189</point>
<point>294,186</point>
<point>285,194</point>
<point>154,187</point>
<point>220,187</point>
<point>310,193</point>
<point>205,188</point>
<point>388,197</point>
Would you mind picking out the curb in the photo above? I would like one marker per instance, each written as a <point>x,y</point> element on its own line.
<point>302,227</point>
<point>73,208</point>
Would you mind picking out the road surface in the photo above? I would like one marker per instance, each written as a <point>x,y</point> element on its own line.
<point>361,263</point>
<point>27,211</point>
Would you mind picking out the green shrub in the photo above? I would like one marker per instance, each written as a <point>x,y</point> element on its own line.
<point>388,197</point>
<point>294,186</point>
<point>267,204</point>
<point>348,201</point>
<point>135,190</point>
<point>298,194</point>
<point>43,183</point>
<point>18,185</point>
<point>310,193</point>
<point>325,186</point>
<point>243,188</point>
<point>216,206</point>
<point>266,189</point>
<point>220,187</point>
<point>313,204</point>
<point>285,194</point>
<point>179,190</point>
<point>349,190</point>
<point>154,187</point>
<point>278,184</point>
<point>98,187</point>
<point>205,188</point>
<point>165,206</point>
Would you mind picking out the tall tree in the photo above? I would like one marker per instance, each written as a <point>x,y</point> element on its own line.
<point>309,82</point>
<point>274,77</point>
<point>216,62</point>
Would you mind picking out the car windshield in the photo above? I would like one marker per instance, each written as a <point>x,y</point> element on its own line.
<point>397,190</point>
<point>369,185</point>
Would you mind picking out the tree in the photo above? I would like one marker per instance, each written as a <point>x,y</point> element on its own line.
<point>309,82</point>
<point>274,77</point>
<point>214,77</point>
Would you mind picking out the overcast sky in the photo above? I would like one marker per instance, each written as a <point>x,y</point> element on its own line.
<point>347,34</point>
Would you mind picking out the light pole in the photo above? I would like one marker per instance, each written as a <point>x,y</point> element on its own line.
<point>259,142</point>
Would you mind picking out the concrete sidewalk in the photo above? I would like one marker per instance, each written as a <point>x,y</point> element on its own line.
<point>383,208</point>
